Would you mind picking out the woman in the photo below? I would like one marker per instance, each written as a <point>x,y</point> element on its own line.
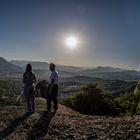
<point>29,79</point>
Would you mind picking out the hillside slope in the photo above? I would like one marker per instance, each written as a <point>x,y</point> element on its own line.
<point>65,124</point>
<point>7,67</point>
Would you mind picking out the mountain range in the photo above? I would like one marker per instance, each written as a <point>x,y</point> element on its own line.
<point>42,69</point>
<point>7,67</point>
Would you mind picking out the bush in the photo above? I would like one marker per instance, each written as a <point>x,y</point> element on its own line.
<point>7,101</point>
<point>92,101</point>
<point>127,104</point>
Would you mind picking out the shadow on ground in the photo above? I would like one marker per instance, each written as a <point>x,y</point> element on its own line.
<point>12,127</point>
<point>40,129</point>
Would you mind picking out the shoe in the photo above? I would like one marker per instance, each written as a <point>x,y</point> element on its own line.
<point>54,111</point>
<point>33,111</point>
<point>29,112</point>
<point>48,111</point>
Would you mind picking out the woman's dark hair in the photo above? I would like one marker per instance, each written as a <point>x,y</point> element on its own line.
<point>29,68</point>
<point>52,64</point>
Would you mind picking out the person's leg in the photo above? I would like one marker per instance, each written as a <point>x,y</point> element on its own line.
<point>33,102</point>
<point>48,100</point>
<point>55,106</point>
<point>55,102</point>
<point>28,104</point>
<point>49,103</point>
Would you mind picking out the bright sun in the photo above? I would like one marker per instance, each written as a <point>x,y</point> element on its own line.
<point>71,42</point>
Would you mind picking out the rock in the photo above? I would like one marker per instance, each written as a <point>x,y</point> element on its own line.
<point>56,132</point>
<point>63,125</point>
<point>138,137</point>
<point>70,137</point>
<point>92,137</point>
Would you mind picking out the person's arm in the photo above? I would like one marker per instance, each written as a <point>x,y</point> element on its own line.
<point>51,86</point>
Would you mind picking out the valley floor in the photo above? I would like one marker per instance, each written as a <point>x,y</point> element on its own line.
<point>64,125</point>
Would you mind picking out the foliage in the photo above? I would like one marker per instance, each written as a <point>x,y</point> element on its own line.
<point>91,100</point>
<point>6,101</point>
<point>127,104</point>
<point>94,101</point>
<point>9,90</point>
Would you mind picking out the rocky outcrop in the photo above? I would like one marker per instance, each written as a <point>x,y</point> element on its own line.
<point>65,124</point>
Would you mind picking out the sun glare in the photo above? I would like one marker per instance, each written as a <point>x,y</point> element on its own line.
<point>71,42</point>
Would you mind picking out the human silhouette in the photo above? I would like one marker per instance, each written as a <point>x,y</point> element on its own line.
<point>52,89</point>
<point>29,79</point>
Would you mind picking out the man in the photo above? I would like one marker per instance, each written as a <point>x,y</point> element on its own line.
<point>52,89</point>
<point>42,89</point>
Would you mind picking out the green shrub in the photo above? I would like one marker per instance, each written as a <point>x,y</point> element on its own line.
<point>8,101</point>
<point>91,100</point>
<point>127,104</point>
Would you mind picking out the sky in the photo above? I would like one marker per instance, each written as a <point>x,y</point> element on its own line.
<point>107,31</point>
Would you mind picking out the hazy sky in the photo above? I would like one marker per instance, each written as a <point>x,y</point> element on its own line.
<point>108,31</point>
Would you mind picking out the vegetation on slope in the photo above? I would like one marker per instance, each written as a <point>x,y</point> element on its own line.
<point>9,90</point>
<point>94,101</point>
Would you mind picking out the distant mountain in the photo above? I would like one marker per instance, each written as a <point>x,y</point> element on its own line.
<point>45,65</point>
<point>73,69</point>
<point>21,63</point>
<point>35,64</point>
<point>101,69</point>
<point>42,68</point>
<point>111,73</point>
<point>7,67</point>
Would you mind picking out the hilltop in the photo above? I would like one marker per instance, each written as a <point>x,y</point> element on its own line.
<point>65,124</point>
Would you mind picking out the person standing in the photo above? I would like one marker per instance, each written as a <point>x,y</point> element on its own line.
<point>52,89</point>
<point>29,80</point>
